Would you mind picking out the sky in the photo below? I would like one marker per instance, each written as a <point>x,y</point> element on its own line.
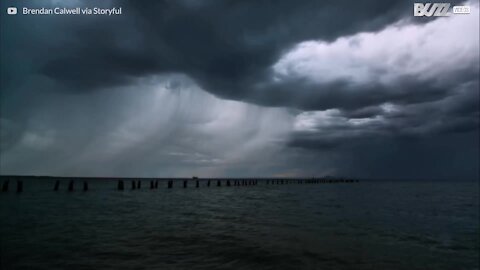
<point>210,88</point>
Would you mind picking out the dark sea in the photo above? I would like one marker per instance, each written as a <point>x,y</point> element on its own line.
<point>365,225</point>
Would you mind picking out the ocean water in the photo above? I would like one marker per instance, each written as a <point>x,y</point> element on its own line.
<point>366,225</point>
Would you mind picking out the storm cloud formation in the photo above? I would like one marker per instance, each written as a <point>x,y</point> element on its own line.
<point>360,89</point>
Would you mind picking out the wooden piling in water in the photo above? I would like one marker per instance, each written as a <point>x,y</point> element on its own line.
<point>152,184</point>
<point>70,185</point>
<point>228,183</point>
<point>5,186</point>
<point>208,183</point>
<point>170,184</point>
<point>197,184</point>
<point>156,184</point>
<point>139,184</point>
<point>57,185</point>
<point>85,185</point>
<point>219,183</point>
<point>19,186</point>
<point>184,183</point>
<point>133,184</point>
<point>120,185</point>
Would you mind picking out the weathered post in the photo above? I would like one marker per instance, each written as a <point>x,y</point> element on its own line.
<point>57,185</point>
<point>139,184</point>
<point>5,186</point>
<point>19,186</point>
<point>170,184</point>
<point>228,183</point>
<point>85,185</point>
<point>152,185</point>
<point>156,184</point>
<point>184,183</point>
<point>208,183</point>
<point>119,185</point>
<point>133,184</point>
<point>219,183</point>
<point>197,183</point>
<point>70,185</point>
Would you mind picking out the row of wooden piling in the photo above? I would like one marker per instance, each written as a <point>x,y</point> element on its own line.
<point>137,184</point>
<point>6,185</point>
<point>310,181</point>
<point>71,185</point>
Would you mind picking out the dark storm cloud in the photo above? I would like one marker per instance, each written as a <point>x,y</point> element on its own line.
<point>226,46</point>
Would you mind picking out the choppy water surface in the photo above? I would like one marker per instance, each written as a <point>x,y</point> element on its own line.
<point>367,225</point>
